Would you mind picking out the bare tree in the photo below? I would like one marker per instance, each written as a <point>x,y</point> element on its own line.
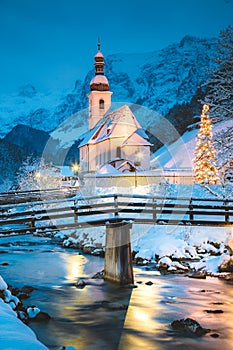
<point>220,84</point>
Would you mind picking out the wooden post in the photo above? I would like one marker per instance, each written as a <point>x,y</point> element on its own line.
<point>190,210</point>
<point>33,220</point>
<point>116,212</point>
<point>225,203</point>
<point>118,264</point>
<point>75,211</point>
<point>154,210</point>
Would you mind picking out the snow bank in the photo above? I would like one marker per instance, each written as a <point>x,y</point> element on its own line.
<point>168,246</point>
<point>172,247</point>
<point>14,334</point>
<point>3,285</point>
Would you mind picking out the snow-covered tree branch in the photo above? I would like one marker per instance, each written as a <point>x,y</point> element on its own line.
<point>220,84</point>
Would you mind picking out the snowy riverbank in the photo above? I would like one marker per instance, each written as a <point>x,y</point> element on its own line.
<point>14,334</point>
<point>175,248</point>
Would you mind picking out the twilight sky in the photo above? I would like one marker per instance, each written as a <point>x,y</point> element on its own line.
<point>51,43</point>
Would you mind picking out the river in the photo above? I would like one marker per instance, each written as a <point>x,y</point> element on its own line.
<point>105,316</point>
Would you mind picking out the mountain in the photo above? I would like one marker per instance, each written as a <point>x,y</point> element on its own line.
<point>162,79</point>
<point>30,139</point>
<point>158,80</point>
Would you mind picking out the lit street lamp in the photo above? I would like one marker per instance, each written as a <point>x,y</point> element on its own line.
<point>75,168</point>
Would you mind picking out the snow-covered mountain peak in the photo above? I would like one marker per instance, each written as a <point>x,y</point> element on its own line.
<point>27,90</point>
<point>159,80</point>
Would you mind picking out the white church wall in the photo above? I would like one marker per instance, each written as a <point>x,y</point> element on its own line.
<point>140,154</point>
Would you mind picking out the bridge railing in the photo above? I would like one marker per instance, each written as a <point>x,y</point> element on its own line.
<point>17,197</point>
<point>72,213</point>
<point>153,209</point>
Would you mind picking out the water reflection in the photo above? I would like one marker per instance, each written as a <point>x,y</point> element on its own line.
<point>74,266</point>
<point>175,297</point>
<point>104,316</point>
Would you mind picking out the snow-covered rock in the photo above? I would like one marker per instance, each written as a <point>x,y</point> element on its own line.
<point>165,262</point>
<point>225,263</point>
<point>178,265</point>
<point>229,243</point>
<point>33,311</point>
<point>9,297</point>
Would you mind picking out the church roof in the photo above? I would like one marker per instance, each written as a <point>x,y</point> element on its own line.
<point>136,139</point>
<point>99,55</point>
<point>99,83</point>
<point>119,123</point>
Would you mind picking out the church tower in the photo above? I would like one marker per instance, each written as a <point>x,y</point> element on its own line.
<point>100,96</point>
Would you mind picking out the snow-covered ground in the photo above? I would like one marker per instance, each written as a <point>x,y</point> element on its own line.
<point>199,247</point>
<point>180,154</point>
<point>14,334</point>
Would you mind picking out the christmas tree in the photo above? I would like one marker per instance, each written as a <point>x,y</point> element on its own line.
<point>205,171</point>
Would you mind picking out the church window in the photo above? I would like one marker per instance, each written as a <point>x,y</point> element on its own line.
<point>101,104</point>
<point>118,152</point>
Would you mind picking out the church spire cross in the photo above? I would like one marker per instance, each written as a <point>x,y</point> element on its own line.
<point>99,82</point>
<point>98,44</point>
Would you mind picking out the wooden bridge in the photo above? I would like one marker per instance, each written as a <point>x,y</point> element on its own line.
<point>54,210</point>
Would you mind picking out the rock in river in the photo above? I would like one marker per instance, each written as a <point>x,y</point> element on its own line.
<point>190,327</point>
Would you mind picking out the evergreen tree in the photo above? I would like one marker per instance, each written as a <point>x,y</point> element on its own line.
<point>219,94</point>
<point>205,171</point>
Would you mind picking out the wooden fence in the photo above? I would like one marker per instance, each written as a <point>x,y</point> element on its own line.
<point>26,215</point>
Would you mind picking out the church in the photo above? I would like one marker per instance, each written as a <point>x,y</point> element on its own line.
<point>115,141</point>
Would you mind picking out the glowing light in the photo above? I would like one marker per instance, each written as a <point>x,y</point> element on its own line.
<point>204,164</point>
<point>138,158</point>
<point>38,175</point>
<point>75,168</point>
<point>138,155</point>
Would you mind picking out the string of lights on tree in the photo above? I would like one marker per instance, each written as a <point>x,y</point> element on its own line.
<point>205,171</point>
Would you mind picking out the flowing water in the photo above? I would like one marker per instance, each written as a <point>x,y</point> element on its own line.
<point>104,316</point>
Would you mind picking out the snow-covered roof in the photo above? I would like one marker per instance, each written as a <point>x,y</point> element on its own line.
<point>108,169</point>
<point>88,135</point>
<point>119,123</point>
<point>99,55</point>
<point>99,79</point>
<point>135,139</point>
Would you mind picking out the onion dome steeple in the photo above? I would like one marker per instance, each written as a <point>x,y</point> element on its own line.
<point>99,82</point>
